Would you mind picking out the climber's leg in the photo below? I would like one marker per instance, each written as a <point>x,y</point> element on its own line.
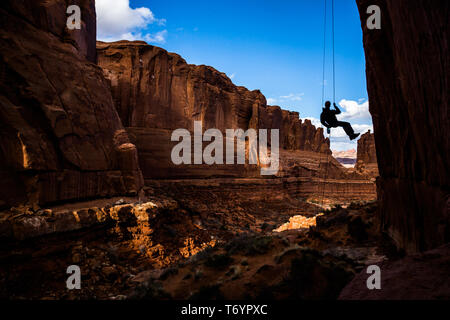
<point>347,128</point>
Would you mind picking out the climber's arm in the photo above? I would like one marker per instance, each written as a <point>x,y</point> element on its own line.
<point>337,110</point>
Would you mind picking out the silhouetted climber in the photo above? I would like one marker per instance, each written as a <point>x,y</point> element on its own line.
<point>329,120</point>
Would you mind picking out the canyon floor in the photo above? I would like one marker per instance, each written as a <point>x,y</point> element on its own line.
<point>209,246</point>
<point>206,245</point>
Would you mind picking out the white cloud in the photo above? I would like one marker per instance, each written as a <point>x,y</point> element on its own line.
<point>293,97</point>
<point>338,139</point>
<point>271,101</point>
<point>358,128</point>
<point>118,21</point>
<point>351,111</point>
<point>343,146</point>
<point>159,37</point>
<point>339,132</point>
<point>362,128</point>
<point>232,76</point>
<point>354,110</point>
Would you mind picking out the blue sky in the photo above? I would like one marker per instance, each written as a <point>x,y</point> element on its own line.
<point>274,46</point>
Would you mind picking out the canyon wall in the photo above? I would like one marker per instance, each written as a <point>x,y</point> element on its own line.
<point>366,151</point>
<point>50,16</point>
<point>366,161</point>
<point>408,84</point>
<point>156,92</point>
<point>68,133</point>
<point>60,135</point>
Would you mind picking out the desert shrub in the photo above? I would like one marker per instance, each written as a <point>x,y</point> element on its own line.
<point>249,245</point>
<point>218,260</point>
<point>168,272</point>
<point>201,255</point>
<point>208,293</point>
<point>371,207</point>
<point>312,276</point>
<point>354,205</point>
<point>149,291</point>
<point>264,226</point>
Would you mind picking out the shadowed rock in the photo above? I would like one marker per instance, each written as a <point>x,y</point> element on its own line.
<point>58,124</point>
<point>408,85</point>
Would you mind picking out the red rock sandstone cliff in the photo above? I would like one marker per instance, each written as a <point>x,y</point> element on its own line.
<point>366,148</point>
<point>156,92</point>
<point>60,135</point>
<point>153,88</point>
<point>49,16</point>
<point>408,65</point>
<point>367,156</point>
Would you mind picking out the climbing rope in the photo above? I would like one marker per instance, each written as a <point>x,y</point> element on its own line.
<point>326,175</point>
<point>334,64</point>
<point>323,84</point>
<point>324,52</point>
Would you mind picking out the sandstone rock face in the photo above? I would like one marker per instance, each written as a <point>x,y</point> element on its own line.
<point>408,83</point>
<point>366,148</point>
<point>366,161</point>
<point>156,92</point>
<point>60,135</point>
<point>50,16</point>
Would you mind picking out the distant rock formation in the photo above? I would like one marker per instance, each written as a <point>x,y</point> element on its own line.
<point>408,82</point>
<point>350,154</point>
<point>156,92</point>
<point>346,158</point>
<point>366,148</point>
<point>366,161</point>
<point>60,135</point>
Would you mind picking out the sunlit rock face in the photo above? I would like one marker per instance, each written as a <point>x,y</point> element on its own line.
<point>156,92</point>
<point>366,162</point>
<point>60,135</point>
<point>408,85</point>
<point>366,148</point>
